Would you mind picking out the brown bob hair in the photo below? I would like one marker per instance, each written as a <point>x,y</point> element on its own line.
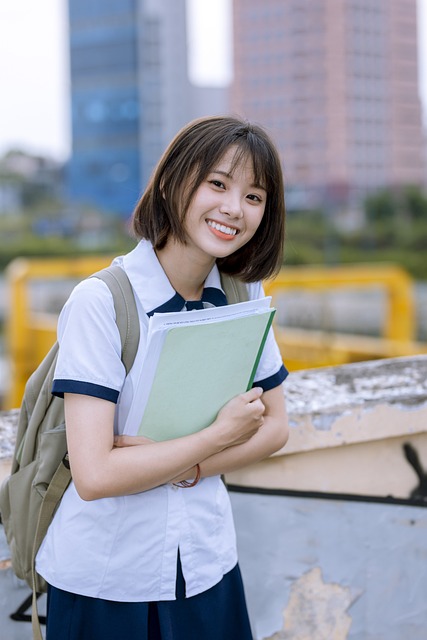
<point>188,159</point>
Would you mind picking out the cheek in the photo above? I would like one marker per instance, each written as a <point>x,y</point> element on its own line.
<point>256,219</point>
<point>252,227</point>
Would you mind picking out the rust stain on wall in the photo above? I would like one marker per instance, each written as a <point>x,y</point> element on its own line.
<point>316,610</point>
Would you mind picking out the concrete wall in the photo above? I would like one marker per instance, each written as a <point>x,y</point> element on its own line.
<point>332,531</point>
<point>348,428</point>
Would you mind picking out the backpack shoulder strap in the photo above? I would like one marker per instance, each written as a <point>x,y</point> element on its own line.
<point>126,312</point>
<point>234,289</point>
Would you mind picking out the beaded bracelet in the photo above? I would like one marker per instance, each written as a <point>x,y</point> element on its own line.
<point>186,484</point>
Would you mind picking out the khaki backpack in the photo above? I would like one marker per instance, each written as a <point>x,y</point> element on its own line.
<point>40,471</point>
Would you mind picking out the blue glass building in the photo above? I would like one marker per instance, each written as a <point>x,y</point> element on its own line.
<point>130,93</point>
<point>104,169</point>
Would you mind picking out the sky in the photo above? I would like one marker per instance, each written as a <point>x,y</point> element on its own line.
<point>34,83</point>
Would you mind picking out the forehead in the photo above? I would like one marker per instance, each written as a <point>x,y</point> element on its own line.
<point>238,162</point>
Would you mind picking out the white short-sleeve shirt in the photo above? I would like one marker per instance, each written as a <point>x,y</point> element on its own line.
<point>125,548</point>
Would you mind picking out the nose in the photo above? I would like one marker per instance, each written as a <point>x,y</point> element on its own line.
<point>232,204</point>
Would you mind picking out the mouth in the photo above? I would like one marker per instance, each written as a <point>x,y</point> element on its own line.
<point>222,230</point>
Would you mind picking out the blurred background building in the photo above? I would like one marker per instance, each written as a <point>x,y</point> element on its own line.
<point>130,93</point>
<point>104,103</point>
<point>336,83</point>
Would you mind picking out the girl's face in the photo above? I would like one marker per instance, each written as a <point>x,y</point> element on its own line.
<point>226,209</point>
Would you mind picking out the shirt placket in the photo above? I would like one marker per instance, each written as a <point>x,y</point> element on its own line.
<point>176,508</point>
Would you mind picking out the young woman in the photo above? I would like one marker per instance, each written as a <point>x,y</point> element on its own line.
<point>143,543</point>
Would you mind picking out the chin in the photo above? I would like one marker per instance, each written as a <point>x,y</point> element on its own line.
<point>224,253</point>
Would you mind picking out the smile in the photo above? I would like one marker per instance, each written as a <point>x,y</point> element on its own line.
<point>222,227</point>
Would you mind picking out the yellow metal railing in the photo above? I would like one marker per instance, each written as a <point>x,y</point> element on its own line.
<point>30,334</point>
<point>303,349</point>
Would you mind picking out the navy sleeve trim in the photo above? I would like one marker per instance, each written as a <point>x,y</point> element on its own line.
<point>273,381</point>
<point>60,387</point>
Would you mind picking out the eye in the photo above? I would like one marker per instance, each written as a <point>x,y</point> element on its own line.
<point>254,197</point>
<point>217,183</point>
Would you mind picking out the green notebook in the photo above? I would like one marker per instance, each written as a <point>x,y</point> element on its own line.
<point>200,368</point>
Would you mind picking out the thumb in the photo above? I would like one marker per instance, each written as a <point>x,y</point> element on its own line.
<point>254,394</point>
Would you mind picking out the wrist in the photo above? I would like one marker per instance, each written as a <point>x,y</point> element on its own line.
<point>214,438</point>
<point>187,484</point>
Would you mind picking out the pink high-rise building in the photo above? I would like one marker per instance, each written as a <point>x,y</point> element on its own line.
<point>336,83</point>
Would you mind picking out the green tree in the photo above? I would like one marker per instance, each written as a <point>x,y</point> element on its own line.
<point>415,202</point>
<point>381,206</point>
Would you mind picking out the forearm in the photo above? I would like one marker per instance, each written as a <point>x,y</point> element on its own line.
<point>100,470</point>
<point>270,438</point>
<point>130,470</point>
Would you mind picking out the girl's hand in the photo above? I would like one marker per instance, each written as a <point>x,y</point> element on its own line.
<point>131,441</point>
<point>240,418</point>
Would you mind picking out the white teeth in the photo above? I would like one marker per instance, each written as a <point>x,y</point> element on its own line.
<point>222,227</point>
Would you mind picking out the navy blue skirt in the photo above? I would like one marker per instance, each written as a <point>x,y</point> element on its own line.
<point>216,614</point>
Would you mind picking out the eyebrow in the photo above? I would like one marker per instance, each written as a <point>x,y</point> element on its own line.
<point>228,175</point>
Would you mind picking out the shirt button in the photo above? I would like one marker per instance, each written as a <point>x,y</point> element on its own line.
<point>174,487</point>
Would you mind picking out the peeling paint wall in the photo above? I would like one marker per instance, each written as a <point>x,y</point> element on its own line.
<point>331,570</point>
<point>324,607</point>
<point>348,428</point>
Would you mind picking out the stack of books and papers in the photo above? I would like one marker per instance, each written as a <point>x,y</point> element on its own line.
<point>195,362</point>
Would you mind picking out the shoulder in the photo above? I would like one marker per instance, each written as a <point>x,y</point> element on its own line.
<point>89,288</point>
<point>90,295</point>
<point>255,290</point>
<point>89,306</point>
<point>89,358</point>
<point>234,287</point>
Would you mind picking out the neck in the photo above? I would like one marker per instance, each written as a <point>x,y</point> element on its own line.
<point>186,272</point>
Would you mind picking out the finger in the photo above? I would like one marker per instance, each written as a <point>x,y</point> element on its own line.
<point>253,394</point>
<point>258,406</point>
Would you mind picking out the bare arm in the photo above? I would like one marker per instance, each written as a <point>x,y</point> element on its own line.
<point>271,437</point>
<point>100,470</point>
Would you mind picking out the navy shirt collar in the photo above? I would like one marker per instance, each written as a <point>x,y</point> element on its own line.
<point>153,288</point>
<point>211,295</point>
